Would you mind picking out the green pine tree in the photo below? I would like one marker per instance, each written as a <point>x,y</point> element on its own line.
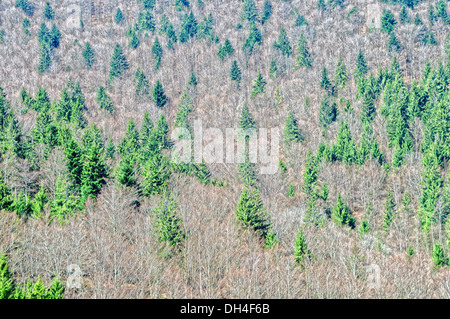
<point>159,97</point>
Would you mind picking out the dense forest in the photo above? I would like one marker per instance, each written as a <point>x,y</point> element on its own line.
<point>96,95</point>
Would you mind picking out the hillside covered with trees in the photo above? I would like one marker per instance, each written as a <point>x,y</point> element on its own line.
<point>95,97</point>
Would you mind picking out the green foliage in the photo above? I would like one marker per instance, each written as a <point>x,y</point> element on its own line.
<point>439,258</point>
<point>388,21</point>
<point>22,205</point>
<point>325,83</point>
<point>49,13</point>
<point>426,37</point>
<point>39,201</point>
<point>258,85</point>
<point>205,29</point>
<point>159,97</point>
<point>104,100</point>
<point>6,282</point>
<point>389,212</point>
<point>249,11</point>
<point>88,55</point>
<point>251,213</point>
<point>156,175</point>
<point>26,6</point>
<point>328,111</point>
<point>235,72</point>
<point>417,20</point>
<point>300,21</point>
<point>342,214</point>
<point>225,50</point>
<point>364,228</point>
<point>291,130</point>
<point>361,65</point>
<point>6,201</point>
<point>301,250</point>
<point>157,53</point>
<point>283,43</point>
<point>441,11</point>
<point>168,223</point>
<point>180,4</point>
<point>404,16</point>
<point>148,4</point>
<point>188,27</point>
<point>246,122</point>
<point>119,16</point>
<point>291,191</point>
<point>311,173</point>
<point>254,38</point>
<point>303,58</point>
<point>146,21</point>
<point>65,202</point>
<point>267,11</point>
<point>393,43</point>
<point>341,76</point>
<point>118,64</point>
<point>142,85</point>
<point>134,39</point>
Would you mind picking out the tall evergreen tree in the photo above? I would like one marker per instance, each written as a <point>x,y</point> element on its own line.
<point>291,130</point>
<point>118,64</point>
<point>283,43</point>
<point>159,97</point>
<point>361,65</point>
<point>328,111</point>
<point>303,58</point>
<point>88,55</point>
<point>235,72</point>
<point>267,11</point>
<point>258,85</point>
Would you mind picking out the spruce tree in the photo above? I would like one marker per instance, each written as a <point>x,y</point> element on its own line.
<point>341,76</point>
<point>389,212</point>
<point>404,16</point>
<point>258,85</point>
<point>235,72</point>
<point>254,38</point>
<point>6,200</point>
<point>146,21</point>
<point>118,64</point>
<point>300,21</point>
<point>88,55</point>
<point>119,16</point>
<point>291,130</point>
<point>188,27</point>
<point>303,58</point>
<point>49,13</point>
<point>249,11</point>
<point>439,258</point>
<point>325,82</point>
<point>142,85</point>
<point>301,250</point>
<point>342,214</point>
<point>388,21</point>
<point>267,11</point>
<point>159,97</point>
<point>328,111</point>
<point>6,282</point>
<point>283,43</point>
<point>157,53</point>
<point>104,100</point>
<point>361,65</point>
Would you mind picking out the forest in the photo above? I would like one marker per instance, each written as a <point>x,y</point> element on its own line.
<point>97,95</point>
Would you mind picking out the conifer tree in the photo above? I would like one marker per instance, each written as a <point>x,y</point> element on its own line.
<point>169,224</point>
<point>389,212</point>
<point>110,150</point>
<point>6,200</point>
<point>251,213</point>
<point>342,214</point>
<point>118,63</point>
<point>246,121</point>
<point>125,172</point>
<point>193,80</point>
<point>134,39</point>
<point>439,258</point>
<point>368,108</point>
<point>45,59</point>
<point>88,55</point>
<point>417,20</point>
<point>254,38</point>
<point>156,174</point>
<point>303,58</point>
<point>301,250</point>
<point>6,282</point>
<point>404,16</point>
<point>258,85</point>
<point>328,111</point>
<point>49,13</point>
<point>26,6</point>
<point>393,43</point>
<point>325,82</point>
<point>291,130</point>
<point>157,53</point>
<point>267,11</point>
<point>283,43</point>
<point>159,97</point>
<point>361,65</point>
<point>146,21</point>
<point>119,16</point>
<point>341,76</point>
<point>161,135</point>
<point>130,144</point>
<point>249,11</point>
<point>388,21</point>
<point>142,85</point>
<point>273,69</point>
<point>235,72</point>
<point>188,27</point>
<point>104,101</point>
<point>39,201</point>
<point>300,21</point>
